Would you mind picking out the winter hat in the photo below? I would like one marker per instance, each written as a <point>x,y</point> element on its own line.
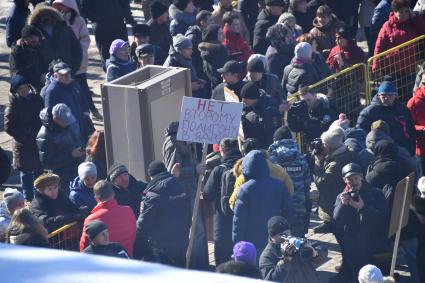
<point>158,9</point>
<point>421,186</point>
<point>141,30</point>
<point>333,138</point>
<point>181,4</point>
<point>145,50</point>
<point>116,170</point>
<point>277,225</point>
<point>261,57</point>
<point>275,3</point>
<point>209,34</point>
<point>64,114</point>
<point>294,3</point>
<point>286,17</point>
<point>87,169</point>
<point>12,197</point>
<point>256,65</point>
<point>250,144</point>
<point>250,91</point>
<point>245,252</point>
<point>45,180</point>
<point>30,30</point>
<point>370,274</point>
<point>282,133</point>
<point>94,228</point>
<point>156,167</point>
<point>303,50</point>
<point>387,87</point>
<point>16,82</point>
<point>116,45</point>
<point>180,42</point>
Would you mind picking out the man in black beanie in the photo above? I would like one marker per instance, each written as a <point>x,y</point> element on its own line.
<point>159,26</point>
<point>260,118</point>
<point>98,235</point>
<point>165,202</point>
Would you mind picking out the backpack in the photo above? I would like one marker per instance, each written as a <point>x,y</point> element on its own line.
<point>228,180</point>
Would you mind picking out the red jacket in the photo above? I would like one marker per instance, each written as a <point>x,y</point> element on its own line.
<point>235,43</point>
<point>416,105</point>
<point>351,55</point>
<point>120,221</point>
<point>394,33</point>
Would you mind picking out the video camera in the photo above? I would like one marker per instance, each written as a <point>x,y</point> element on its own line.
<point>300,245</point>
<point>316,146</point>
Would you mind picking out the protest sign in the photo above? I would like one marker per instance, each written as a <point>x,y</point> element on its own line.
<point>208,121</point>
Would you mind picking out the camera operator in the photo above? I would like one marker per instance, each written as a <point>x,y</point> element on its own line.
<point>330,155</point>
<point>360,216</point>
<point>312,115</point>
<point>289,259</point>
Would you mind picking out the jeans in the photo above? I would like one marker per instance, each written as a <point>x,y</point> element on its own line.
<point>85,91</point>
<point>27,183</point>
<point>408,248</point>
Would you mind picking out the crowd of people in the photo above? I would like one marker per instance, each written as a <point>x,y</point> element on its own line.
<point>265,52</point>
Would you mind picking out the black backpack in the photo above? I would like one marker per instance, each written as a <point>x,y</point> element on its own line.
<point>228,180</point>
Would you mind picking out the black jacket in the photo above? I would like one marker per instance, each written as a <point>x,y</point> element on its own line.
<point>165,219</point>
<point>25,237</point>
<point>54,213</point>
<point>28,62</point>
<point>112,249</point>
<point>264,20</point>
<point>160,36</point>
<point>212,192</point>
<point>214,56</point>
<point>5,166</point>
<point>218,92</point>
<point>61,43</point>
<point>132,196</point>
<point>297,75</point>
<point>22,122</point>
<point>106,13</point>
<point>278,58</point>
<point>397,116</point>
<point>261,121</point>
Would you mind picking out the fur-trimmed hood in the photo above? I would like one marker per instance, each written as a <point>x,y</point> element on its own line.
<point>41,10</point>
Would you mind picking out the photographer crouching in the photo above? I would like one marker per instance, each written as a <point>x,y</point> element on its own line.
<point>289,259</point>
<point>360,218</point>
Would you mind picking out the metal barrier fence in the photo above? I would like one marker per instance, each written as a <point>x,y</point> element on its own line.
<point>401,62</point>
<point>66,238</point>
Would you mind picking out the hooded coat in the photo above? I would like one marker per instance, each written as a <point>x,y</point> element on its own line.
<point>22,122</point>
<point>259,198</point>
<point>297,75</point>
<point>397,116</point>
<point>416,106</point>
<point>165,201</point>
<point>393,33</point>
<point>180,20</point>
<point>116,68</point>
<point>351,55</point>
<point>54,213</point>
<point>79,27</point>
<point>160,35</point>
<point>278,58</point>
<point>222,223</point>
<point>80,195</point>
<point>59,42</point>
<point>264,20</point>
<point>239,49</point>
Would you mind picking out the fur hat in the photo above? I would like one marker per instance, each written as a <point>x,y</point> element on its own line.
<point>46,179</point>
<point>333,138</point>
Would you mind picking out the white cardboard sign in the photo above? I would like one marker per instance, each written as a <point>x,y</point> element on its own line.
<point>208,121</point>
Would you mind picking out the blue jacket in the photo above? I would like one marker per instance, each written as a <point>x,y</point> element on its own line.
<point>81,195</point>
<point>180,21</point>
<point>116,68</point>
<point>397,116</point>
<point>259,198</point>
<point>15,22</point>
<point>380,16</point>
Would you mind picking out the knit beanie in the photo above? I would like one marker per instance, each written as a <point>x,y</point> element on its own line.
<point>286,17</point>
<point>276,225</point>
<point>62,111</point>
<point>181,4</point>
<point>94,228</point>
<point>158,9</point>
<point>45,180</point>
<point>87,169</point>
<point>303,50</point>
<point>12,197</point>
<point>275,3</point>
<point>282,133</point>
<point>245,252</point>
<point>258,56</point>
<point>156,167</point>
<point>387,87</point>
<point>16,82</point>
<point>256,65</point>
<point>294,3</point>
<point>370,274</point>
<point>116,170</point>
<point>116,45</point>
<point>30,30</point>
<point>210,33</point>
<point>421,186</point>
<point>333,138</point>
<point>180,42</point>
<point>250,91</point>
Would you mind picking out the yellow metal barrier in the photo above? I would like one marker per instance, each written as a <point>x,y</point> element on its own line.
<point>401,62</point>
<point>66,238</point>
